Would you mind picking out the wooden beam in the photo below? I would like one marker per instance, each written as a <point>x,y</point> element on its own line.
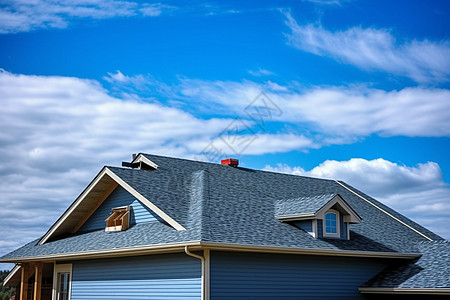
<point>94,208</point>
<point>37,281</point>
<point>24,282</point>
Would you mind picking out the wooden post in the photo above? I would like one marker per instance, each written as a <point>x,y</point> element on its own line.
<point>37,281</point>
<point>24,282</point>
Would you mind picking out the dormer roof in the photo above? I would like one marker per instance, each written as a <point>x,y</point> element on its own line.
<point>314,207</point>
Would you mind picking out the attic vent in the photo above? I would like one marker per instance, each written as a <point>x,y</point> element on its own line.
<point>232,162</point>
<point>119,219</point>
<point>140,162</point>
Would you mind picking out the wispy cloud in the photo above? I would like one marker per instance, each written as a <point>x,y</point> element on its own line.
<point>416,191</point>
<point>374,49</point>
<point>328,2</point>
<point>26,15</point>
<point>344,111</point>
<point>260,72</point>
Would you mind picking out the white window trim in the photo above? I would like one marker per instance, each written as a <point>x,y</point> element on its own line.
<point>338,221</point>
<point>61,268</point>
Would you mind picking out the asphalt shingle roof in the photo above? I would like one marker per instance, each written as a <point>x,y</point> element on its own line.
<point>302,205</point>
<point>218,203</point>
<point>431,270</point>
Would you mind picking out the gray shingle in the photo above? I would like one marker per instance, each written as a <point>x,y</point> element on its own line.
<point>218,203</point>
<point>302,205</point>
<point>431,270</point>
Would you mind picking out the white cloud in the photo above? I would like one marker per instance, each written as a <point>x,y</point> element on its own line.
<point>375,49</point>
<point>27,15</point>
<point>344,111</point>
<point>419,192</point>
<point>260,72</point>
<point>57,133</point>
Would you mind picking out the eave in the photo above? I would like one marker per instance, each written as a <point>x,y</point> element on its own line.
<point>198,245</point>
<point>410,291</point>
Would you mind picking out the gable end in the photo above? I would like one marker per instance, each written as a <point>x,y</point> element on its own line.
<point>91,198</point>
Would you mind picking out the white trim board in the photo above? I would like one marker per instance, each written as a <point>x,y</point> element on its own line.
<point>197,245</point>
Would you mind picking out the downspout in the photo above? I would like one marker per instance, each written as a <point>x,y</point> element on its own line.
<point>204,275</point>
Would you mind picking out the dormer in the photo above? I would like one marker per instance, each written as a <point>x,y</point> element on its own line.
<point>322,216</point>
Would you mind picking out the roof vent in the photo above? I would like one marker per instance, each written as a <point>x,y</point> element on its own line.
<point>232,162</point>
<point>140,162</point>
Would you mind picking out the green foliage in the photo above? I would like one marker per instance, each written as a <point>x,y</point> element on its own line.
<point>5,291</point>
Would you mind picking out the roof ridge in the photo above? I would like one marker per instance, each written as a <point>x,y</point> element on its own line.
<point>384,211</point>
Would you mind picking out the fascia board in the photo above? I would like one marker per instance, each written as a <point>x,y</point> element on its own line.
<point>415,291</point>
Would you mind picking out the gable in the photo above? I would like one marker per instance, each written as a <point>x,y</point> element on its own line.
<point>91,198</point>
<point>118,198</point>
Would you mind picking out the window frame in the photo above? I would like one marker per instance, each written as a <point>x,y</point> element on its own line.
<point>58,270</point>
<point>338,222</point>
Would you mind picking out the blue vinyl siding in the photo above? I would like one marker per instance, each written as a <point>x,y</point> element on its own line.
<point>305,225</point>
<point>166,276</point>
<point>119,197</point>
<point>277,276</point>
<point>319,228</point>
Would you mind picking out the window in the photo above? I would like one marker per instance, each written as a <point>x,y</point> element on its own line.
<point>63,286</point>
<point>62,281</point>
<point>331,224</point>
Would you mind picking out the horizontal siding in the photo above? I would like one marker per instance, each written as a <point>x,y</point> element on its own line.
<point>168,276</point>
<point>305,225</point>
<point>276,276</point>
<point>119,197</point>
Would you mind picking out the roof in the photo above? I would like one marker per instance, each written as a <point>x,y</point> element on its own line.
<point>313,207</point>
<point>309,205</point>
<point>431,270</point>
<point>221,204</point>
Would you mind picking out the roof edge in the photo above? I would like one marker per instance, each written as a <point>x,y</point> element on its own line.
<point>312,251</point>
<point>117,252</point>
<point>105,171</point>
<point>11,275</point>
<point>384,211</point>
<point>416,291</point>
<point>199,245</point>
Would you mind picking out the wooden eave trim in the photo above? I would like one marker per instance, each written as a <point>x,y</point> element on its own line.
<point>109,253</point>
<point>97,205</point>
<point>74,205</point>
<point>416,291</point>
<point>88,189</point>
<point>145,201</point>
<point>11,275</point>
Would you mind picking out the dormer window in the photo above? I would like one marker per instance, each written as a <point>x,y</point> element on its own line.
<point>119,219</point>
<point>322,216</point>
<point>331,224</point>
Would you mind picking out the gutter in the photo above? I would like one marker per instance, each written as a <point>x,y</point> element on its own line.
<point>205,271</point>
<point>198,245</point>
<point>411,291</point>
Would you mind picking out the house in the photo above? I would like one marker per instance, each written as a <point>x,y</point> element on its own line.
<point>170,228</point>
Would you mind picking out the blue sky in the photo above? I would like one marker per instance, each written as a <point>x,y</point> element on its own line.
<point>351,90</point>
